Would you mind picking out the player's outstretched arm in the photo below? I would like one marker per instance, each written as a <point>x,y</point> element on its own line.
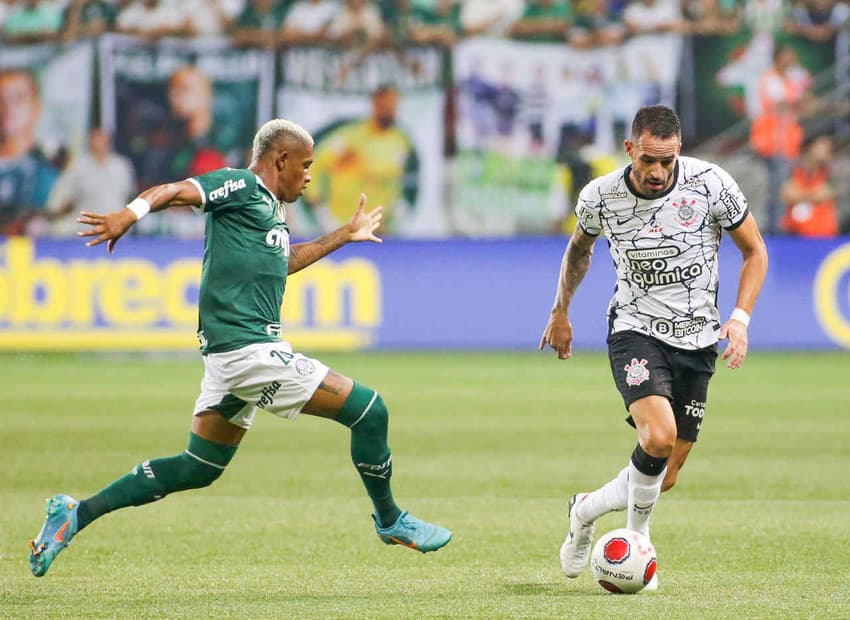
<point>559,331</point>
<point>753,270</point>
<point>110,227</point>
<point>362,227</point>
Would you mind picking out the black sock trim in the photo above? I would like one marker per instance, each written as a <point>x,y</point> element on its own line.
<point>647,464</point>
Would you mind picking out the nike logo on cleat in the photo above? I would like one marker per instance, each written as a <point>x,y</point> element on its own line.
<point>60,534</point>
<point>398,541</point>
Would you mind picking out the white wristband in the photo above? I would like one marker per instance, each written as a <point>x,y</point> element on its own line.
<point>740,315</point>
<point>140,207</point>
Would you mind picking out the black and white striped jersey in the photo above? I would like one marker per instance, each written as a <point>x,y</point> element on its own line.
<point>665,249</point>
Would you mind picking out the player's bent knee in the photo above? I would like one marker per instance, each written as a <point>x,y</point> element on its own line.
<point>659,443</point>
<point>376,419</point>
<point>364,411</point>
<point>196,475</point>
<point>203,462</point>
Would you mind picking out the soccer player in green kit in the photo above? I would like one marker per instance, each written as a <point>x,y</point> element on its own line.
<point>247,258</point>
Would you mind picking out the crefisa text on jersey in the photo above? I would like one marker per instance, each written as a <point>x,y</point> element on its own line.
<point>229,186</point>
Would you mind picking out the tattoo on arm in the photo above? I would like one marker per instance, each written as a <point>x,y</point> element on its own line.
<point>304,254</point>
<point>574,266</point>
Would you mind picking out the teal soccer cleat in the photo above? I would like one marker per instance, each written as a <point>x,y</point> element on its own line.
<point>56,534</point>
<point>414,533</point>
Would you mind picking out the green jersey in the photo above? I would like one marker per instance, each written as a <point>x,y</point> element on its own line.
<point>246,254</point>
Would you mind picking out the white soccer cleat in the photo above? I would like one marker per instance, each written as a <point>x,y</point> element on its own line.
<point>575,552</point>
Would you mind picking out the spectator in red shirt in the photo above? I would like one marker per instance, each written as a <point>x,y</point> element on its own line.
<point>809,194</point>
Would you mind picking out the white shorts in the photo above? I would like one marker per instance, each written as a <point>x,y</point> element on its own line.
<point>266,375</point>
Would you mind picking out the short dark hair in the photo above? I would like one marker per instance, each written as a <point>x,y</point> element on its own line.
<point>659,120</point>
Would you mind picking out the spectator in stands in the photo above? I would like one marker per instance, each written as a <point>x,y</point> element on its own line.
<point>808,194</point>
<point>208,18</point>
<point>421,22</point>
<point>489,17</point>
<point>653,50</point>
<point>26,176</point>
<point>543,20</point>
<point>765,16</point>
<point>308,22</point>
<point>81,186</point>
<point>152,19</point>
<point>258,24</point>
<point>358,24</point>
<point>776,134</point>
<point>818,20</point>
<point>434,22</point>
<point>32,21</point>
<point>704,17</point>
<point>652,17</point>
<point>87,18</point>
<point>595,25</point>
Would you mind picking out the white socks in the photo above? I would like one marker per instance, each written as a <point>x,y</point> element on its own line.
<point>612,496</point>
<point>643,492</point>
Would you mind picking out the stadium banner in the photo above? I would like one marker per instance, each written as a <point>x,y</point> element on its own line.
<point>46,93</point>
<point>379,127</point>
<point>528,112</point>
<point>727,69</point>
<point>180,107</point>
<point>448,294</point>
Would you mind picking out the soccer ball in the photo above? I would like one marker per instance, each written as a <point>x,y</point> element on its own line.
<point>623,561</point>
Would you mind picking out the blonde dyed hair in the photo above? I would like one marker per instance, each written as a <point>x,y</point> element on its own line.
<point>268,134</point>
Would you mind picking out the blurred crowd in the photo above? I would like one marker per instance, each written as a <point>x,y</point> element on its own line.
<point>375,23</point>
<point>801,195</point>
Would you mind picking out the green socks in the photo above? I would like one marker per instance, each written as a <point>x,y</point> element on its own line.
<point>201,464</point>
<point>365,413</point>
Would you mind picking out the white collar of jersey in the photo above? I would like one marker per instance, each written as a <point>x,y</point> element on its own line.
<point>263,185</point>
<point>279,205</point>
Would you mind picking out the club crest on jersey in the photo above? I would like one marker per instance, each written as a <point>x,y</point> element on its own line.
<point>636,372</point>
<point>685,213</point>
<point>304,367</point>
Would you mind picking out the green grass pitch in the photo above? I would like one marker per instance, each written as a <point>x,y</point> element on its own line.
<point>488,444</point>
